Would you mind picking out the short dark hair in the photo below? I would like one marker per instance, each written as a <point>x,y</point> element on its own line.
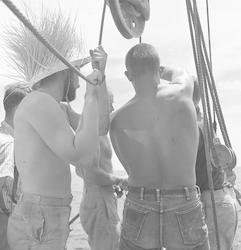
<point>14,93</point>
<point>141,59</point>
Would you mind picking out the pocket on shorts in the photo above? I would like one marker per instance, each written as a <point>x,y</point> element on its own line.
<point>133,220</point>
<point>87,214</point>
<point>192,225</point>
<point>19,229</point>
<point>39,224</point>
<point>90,205</point>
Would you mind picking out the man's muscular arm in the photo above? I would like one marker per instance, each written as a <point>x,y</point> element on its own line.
<point>98,61</point>
<point>178,77</point>
<point>99,58</point>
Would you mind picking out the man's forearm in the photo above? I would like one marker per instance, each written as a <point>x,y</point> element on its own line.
<point>87,135</point>
<point>169,73</point>
<point>100,177</point>
<point>104,110</point>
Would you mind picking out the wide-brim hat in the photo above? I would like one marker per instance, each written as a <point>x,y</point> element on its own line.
<point>31,59</point>
<point>35,81</point>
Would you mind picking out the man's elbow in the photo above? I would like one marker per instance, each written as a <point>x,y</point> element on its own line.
<point>85,161</point>
<point>103,131</point>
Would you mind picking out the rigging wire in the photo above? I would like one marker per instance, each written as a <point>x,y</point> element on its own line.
<point>102,22</point>
<point>210,59</point>
<point>197,44</point>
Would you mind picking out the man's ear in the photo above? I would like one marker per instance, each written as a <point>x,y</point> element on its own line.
<point>65,73</point>
<point>127,74</point>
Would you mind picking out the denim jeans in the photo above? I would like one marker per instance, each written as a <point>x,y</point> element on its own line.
<point>227,217</point>
<point>38,227</point>
<point>99,218</point>
<point>169,221</point>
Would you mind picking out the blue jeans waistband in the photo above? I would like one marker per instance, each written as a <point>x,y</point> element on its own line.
<point>43,200</point>
<point>156,192</point>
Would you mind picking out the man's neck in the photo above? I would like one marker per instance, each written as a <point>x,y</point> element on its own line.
<point>146,87</point>
<point>52,88</point>
<point>9,120</point>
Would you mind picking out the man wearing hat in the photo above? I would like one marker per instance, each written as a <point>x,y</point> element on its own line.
<point>45,143</point>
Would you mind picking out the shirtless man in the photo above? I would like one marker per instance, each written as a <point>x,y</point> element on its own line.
<point>45,146</point>
<point>98,207</point>
<point>155,136</point>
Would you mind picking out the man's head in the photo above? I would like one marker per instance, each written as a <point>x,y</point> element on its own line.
<point>142,59</point>
<point>14,93</point>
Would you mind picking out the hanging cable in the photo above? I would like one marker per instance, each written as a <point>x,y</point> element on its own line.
<point>200,66</point>
<point>210,58</point>
<point>209,36</point>
<point>102,23</point>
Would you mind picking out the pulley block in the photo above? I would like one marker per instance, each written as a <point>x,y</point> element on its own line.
<point>130,16</point>
<point>222,157</point>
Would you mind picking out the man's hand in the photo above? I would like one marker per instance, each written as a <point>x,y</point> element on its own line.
<point>95,77</point>
<point>123,183</point>
<point>99,58</point>
<point>121,186</point>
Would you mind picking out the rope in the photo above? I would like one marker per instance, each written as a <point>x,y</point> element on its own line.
<point>74,219</point>
<point>210,58</point>
<point>102,22</point>
<point>213,91</point>
<point>27,24</point>
<point>200,66</point>
<point>209,40</point>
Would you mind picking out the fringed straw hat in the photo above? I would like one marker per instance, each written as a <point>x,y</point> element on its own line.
<point>30,58</point>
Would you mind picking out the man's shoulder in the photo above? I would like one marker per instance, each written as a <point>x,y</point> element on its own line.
<point>34,103</point>
<point>120,116</point>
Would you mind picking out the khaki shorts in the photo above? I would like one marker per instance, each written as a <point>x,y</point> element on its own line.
<point>99,218</point>
<point>39,223</point>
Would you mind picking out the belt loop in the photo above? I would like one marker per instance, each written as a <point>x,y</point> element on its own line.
<point>198,191</point>
<point>158,195</point>
<point>187,193</point>
<point>142,194</point>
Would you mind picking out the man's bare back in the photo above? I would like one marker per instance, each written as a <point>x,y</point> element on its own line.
<point>155,134</point>
<point>152,145</point>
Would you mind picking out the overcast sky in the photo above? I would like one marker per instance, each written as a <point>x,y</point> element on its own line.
<point>168,31</point>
